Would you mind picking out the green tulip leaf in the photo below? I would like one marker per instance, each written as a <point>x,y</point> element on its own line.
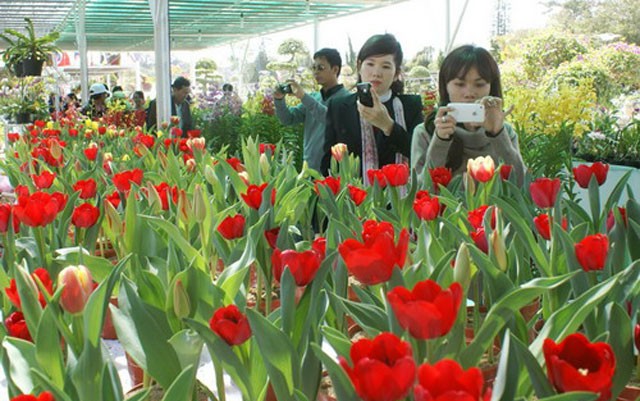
<point>111,387</point>
<point>48,348</point>
<point>337,340</point>
<point>506,382</point>
<point>44,382</point>
<point>182,387</point>
<point>281,361</point>
<point>18,358</point>
<point>188,347</point>
<point>371,318</point>
<point>572,396</point>
<point>535,376</point>
<point>341,383</point>
<point>240,374</point>
<point>192,254</point>
<point>502,311</point>
<point>621,340</point>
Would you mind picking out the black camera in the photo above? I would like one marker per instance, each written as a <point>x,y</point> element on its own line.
<point>285,88</point>
<point>364,94</point>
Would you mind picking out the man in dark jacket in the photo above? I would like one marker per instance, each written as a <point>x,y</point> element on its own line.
<point>180,89</point>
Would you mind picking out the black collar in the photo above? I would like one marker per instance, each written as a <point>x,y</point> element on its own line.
<point>326,95</point>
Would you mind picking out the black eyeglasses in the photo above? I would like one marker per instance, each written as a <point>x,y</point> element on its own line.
<point>318,67</point>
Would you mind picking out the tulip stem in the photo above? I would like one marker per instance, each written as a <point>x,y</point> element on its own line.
<point>220,382</point>
<point>37,233</point>
<point>8,255</point>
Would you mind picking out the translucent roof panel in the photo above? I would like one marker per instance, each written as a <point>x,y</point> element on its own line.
<point>126,25</point>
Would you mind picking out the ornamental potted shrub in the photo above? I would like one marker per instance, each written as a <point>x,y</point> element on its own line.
<point>27,53</point>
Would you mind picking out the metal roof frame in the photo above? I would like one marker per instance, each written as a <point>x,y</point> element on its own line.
<point>127,25</point>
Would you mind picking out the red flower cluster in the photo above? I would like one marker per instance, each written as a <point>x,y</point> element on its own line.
<point>575,364</point>
<point>44,396</point>
<point>231,325</point>
<point>372,260</point>
<point>611,220</point>
<point>447,381</point>
<point>7,212</point>
<point>39,274</point>
<point>263,147</point>
<point>232,227</point>
<point>357,195</point>
<point>87,188</point>
<point>427,311</point>
<point>383,368</point>
<point>303,265</point>
<point>17,326</point>
<point>332,183</point>
<point>426,207</point>
<point>476,217</point>
<point>123,180</point>
<point>440,176</point>
<point>39,209</point>
<point>583,173</point>
<point>392,174</point>
<point>543,225</point>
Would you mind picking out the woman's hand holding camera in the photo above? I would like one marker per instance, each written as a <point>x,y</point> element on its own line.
<point>445,124</point>
<point>378,115</point>
<point>494,115</point>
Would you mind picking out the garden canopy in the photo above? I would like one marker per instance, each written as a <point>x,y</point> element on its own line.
<point>127,25</point>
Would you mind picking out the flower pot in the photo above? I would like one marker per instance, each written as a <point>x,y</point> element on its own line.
<point>32,67</point>
<point>108,331</point>
<point>629,393</point>
<point>529,311</point>
<point>23,118</point>
<point>135,371</point>
<point>489,375</point>
<point>18,69</point>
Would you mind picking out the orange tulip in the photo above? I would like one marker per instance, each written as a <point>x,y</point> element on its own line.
<point>77,285</point>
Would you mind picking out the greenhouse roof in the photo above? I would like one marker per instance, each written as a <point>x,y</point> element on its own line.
<point>126,25</point>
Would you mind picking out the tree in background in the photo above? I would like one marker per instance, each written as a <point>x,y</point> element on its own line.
<point>296,50</point>
<point>620,17</point>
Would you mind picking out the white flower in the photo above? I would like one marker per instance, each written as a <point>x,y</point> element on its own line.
<point>597,135</point>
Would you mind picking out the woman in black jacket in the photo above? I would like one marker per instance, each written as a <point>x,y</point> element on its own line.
<point>380,134</point>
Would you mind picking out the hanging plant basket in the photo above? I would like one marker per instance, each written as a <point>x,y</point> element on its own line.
<point>32,67</point>
<point>23,118</point>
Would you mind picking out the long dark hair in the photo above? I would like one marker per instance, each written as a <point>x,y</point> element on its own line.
<point>456,65</point>
<point>460,61</point>
<point>379,45</point>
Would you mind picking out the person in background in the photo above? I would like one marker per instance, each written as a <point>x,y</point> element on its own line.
<point>139,111</point>
<point>312,110</point>
<point>71,102</point>
<point>118,100</point>
<point>468,74</point>
<point>180,90</point>
<point>97,105</point>
<point>380,134</point>
<point>229,102</point>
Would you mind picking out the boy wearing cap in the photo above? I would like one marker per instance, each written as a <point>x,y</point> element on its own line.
<point>97,106</point>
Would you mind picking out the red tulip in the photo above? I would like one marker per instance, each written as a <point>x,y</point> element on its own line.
<point>426,207</point>
<point>113,198</point>
<point>480,239</point>
<point>396,174</point>
<point>85,215</point>
<point>102,130</point>
<point>476,217</point>
<point>232,227</point>
<point>123,180</point>
<point>611,220</point>
<point>164,191</point>
<point>231,325</point>
<point>320,245</point>
<point>91,153</point>
<point>77,286</point>
<point>383,368</point>
<point>236,164</point>
<point>61,199</point>
<point>44,396</point>
<point>6,211</point>
<point>427,311</point>
<point>447,381</point>
<point>543,225</point>
<point>372,261</point>
<point>262,148</point>
<point>87,188</point>
<point>44,180</point>
<point>39,274</point>
<point>357,195</point>
<point>505,171</point>
<point>193,133</point>
<point>37,210</point>
<point>582,174</point>
<point>592,252</point>
<point>376,176</point>
<point>272,236</point>
<point>544,191</point>
<point>575,364</point>
<point>13,137</point>
<point>332,183</point>
<point>636,336</point>
<point>303,265</point>
<point>17,327</point>
<point>440,176</point>
<point>253,196</point>
<point>481,168</point>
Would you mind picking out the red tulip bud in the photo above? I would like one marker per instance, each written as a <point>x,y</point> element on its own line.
<point>77,286</point>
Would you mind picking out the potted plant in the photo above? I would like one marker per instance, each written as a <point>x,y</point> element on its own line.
<point>27,53</point>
